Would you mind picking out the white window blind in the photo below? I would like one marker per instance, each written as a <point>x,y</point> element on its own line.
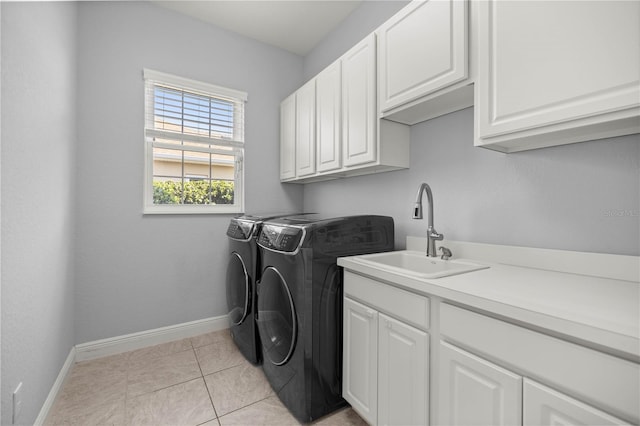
<point>194,138</point>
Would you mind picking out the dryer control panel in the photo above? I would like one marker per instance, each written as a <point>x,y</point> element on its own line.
<point>240,230</point>
<point>280,238</point>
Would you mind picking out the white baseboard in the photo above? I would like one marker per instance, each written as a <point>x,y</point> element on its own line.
<point>57,385</point>
<point>130,342</point>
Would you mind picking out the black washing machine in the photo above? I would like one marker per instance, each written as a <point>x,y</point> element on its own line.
<point>243,271</point>
<point>300,304</point>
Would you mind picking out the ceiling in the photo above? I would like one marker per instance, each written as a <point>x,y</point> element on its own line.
<point>294,25</point>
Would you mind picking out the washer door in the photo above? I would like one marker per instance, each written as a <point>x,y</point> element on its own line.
<point>276,317</point>
<point>238,291</point>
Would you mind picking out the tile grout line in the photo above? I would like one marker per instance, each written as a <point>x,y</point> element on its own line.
<point>126,393</point>
<point>253,403</point>
<point>130,362</point>
<point>205,383</point>
<point>165,387</point>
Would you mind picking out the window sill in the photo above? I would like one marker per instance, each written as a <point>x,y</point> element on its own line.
<point>191,209</point>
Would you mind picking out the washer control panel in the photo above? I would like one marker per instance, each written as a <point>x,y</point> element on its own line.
<point>280,238</point>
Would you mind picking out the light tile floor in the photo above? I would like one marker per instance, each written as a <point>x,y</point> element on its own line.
<point>203,380</point>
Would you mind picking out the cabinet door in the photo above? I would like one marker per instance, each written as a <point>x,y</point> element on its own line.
<point>288,138</point>
<point>403,374</point>
<point>360,359</point>
<point>474,391</point>
<point>328,92</point>
<point>422,49</point>
<point>359,103</point>
<point>545,406</point>
<point>533,75</point>
<point>305,129</point>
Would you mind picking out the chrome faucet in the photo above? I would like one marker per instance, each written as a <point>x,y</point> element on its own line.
<point>432,234</point>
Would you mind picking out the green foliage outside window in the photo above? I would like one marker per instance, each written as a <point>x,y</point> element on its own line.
<point>193,192</point>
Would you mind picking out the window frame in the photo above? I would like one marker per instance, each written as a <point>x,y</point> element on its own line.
<point>235,147</point>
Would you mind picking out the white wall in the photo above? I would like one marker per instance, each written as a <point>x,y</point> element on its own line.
<point>38,171</point>
<point>138,272</point>
<point>583,197</point>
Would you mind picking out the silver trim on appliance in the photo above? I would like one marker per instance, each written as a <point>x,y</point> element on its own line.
<point>252,234</point>
<point>247,290</point>
<point>293,318</point>
<point>240,239</point>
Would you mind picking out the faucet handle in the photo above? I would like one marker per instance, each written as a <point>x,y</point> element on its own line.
<point>433,235</point>
<point>446,253</point>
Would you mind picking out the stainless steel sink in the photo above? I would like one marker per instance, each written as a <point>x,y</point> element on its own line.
<point>417,264</point>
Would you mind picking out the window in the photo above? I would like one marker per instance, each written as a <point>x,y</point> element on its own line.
<point>194,146</point>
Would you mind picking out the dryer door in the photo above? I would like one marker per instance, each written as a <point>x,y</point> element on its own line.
<point>277,323</point>
<point>238,291</point>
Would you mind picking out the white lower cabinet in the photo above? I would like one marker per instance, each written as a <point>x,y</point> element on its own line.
<point>491,381</point>
<point>360,359</point>
<point>385,367</point>
<point>545,406</point>
<point>482,370</point>
<point>474,391</point>
<point>403,373</point>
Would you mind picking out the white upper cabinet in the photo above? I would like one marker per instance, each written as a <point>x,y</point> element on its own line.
<point>359,115</point>
<point>556,72</point>
<point>539,73</point>
<point>337,129</point>
<point>288,138</point>
<point>328,115</point>
<point>422,50</point>
<point>306,129</point>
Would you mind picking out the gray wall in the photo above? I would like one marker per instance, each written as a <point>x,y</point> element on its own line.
<point>583,197</point>
<point>361,22</point>
<point>569,197</point>
<point>79,260</point>
<point>138,272</point>
<point>38,170</point>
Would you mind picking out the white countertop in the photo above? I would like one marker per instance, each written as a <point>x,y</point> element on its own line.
<point>601,312</point>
